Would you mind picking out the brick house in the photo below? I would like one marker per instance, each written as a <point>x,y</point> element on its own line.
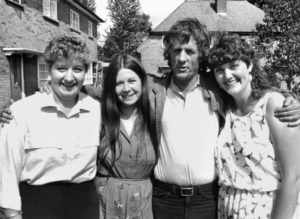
<point>26,26</point>
<point>235,16</point>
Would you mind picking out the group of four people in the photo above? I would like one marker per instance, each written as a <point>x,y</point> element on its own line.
<point>176,134</point>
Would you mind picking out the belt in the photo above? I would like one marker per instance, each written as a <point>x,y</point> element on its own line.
<point>186,191</point>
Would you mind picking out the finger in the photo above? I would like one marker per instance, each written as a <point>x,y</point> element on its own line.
<point>294,124</point>
<point>287,110</point>
<point>288,101</point>
<point>289,119</point>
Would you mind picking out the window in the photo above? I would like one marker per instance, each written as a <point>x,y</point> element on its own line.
<point>90,29</point>
<point>50,9</point>
<point>88,76</point>
<point>43,75</point>
<point>74,20</point>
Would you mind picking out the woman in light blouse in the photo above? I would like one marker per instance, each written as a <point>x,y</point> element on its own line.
<point>48,151</point>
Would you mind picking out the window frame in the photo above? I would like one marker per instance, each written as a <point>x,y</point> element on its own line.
<point>76,20</point>
<point>50,9</point>
<point>43,75</point>
<point>90,29</point>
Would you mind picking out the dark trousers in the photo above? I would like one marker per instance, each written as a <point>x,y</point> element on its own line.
<point>169,204</point>
<point>60,201</point>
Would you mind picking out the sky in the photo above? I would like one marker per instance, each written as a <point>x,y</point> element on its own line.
<point>158,10</point>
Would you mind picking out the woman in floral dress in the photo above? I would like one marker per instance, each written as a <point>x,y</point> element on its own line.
<point>257,156</point>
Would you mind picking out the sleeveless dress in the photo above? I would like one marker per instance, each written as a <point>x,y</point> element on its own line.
<point>246,164</point>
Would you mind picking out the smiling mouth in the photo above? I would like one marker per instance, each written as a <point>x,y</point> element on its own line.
<point>231,83</point>
<point>69,85</point>
<point>127,97</point>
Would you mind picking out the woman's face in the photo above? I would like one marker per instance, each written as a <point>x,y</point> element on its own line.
<point>67,76</point>
<point>128,87</point>
<point>235,78</point>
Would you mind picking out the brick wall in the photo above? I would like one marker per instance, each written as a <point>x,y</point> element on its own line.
<point>27,28</point>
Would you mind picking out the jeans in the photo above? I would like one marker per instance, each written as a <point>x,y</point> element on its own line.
<point>167,205</point>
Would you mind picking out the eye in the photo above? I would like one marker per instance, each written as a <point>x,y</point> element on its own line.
<point>78,69</point>
<point>118,83</point>
<point>132,80</point>
<point>218,70</point>
<point>190,51</point>
<point>176,50</point>
<point>61,69</point>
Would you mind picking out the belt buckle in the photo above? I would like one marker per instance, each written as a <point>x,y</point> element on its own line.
<point>186,191</point>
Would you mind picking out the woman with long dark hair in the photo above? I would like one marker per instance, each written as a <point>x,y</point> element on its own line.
<point>126,155</point>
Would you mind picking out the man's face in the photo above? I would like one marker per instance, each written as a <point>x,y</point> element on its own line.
<point>184,61</point>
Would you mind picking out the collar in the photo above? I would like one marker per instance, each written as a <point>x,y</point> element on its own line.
<point>175,89</point>
<point>49,101</point>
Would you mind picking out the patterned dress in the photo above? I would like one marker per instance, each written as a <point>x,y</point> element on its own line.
<point>246,164</point>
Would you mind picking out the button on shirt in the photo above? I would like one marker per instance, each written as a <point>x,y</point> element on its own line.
<point>42,145</point>
<point>189,133</point>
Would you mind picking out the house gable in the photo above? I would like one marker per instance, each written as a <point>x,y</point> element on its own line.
<point>237,16</point>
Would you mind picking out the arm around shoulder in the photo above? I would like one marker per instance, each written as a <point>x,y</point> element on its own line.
<point>286,146</point>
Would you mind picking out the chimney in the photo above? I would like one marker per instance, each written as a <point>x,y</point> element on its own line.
<point>220,6</point>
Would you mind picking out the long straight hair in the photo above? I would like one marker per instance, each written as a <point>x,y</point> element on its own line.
<point>111,107</point>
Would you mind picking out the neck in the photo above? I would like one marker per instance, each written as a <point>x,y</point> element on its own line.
<point>185,86</point>
<point>128,112</point>
<point>244,104</point>
<point>66,104</point>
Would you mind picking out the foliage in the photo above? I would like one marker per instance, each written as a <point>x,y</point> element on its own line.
<point>279,40</point>
<point>89,3</point>
<point>130,27</point>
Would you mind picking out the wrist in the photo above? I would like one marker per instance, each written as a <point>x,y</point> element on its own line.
<point>9,213</point>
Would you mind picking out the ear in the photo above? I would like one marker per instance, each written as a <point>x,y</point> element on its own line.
<point>250,70</point>
<point>250,67</point>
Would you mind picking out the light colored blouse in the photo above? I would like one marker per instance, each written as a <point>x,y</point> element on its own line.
<point>42,145</point>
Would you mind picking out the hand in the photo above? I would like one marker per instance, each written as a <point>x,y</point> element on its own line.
<point>19,216</point>
<point>46,88</point>
<point>5,114</point>
<point>290,112</point>
<point>12,214</point>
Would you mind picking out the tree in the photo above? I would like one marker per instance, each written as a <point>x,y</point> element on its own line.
<point>130,27</point>
<point>90,4</point>
<point>279,40</point>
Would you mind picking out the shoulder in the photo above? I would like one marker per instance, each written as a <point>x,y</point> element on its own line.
<point>90,102</point>
<point>27,103</point>
<point>274,101</point>
<point>155,81</point>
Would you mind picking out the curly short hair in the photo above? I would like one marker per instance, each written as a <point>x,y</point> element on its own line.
<point>231,47</point>
<point>67,47</point>
<point>181,32</point>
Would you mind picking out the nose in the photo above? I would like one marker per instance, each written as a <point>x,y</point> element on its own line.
<point>69,75</point>
<point>227,73</point>
<point>126,87</point>
<point>182,56</point>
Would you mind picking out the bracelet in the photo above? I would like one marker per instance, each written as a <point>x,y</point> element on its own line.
<point>13,214</point>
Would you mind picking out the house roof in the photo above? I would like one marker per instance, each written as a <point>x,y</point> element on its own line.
<point>85,10</point>
<point>241,16</point>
